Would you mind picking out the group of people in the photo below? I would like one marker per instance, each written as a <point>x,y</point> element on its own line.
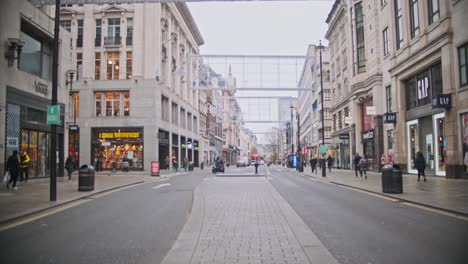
<point>314,162</point>
<point>17,166</point>
<point>175,164</point>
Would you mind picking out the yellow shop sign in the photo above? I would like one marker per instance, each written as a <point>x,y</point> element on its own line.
<point>119,135</point>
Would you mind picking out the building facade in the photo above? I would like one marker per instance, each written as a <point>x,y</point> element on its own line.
<point>27,35</point>
<point>426,58</point>
<point>134,102</point>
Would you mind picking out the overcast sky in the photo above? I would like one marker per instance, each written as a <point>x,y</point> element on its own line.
<point>260,28</point>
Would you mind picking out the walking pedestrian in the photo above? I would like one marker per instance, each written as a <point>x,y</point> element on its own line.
<point>420,164</point>
<point>314,164</point>
<point>174,163</point>
<point>383,161</point>
<point>256,166</point>
<point>185,163</point>
<point>24,165</point>
<point>363,166</point>
<point>330,162</point>
<point>69,167</point>
<point>13,167</point>
<point>125,165</point>
<point>357,158</point>
<point>167,162</point>
<point>99,163</point>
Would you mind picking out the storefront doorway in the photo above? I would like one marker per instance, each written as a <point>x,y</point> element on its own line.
<point>36,144</point>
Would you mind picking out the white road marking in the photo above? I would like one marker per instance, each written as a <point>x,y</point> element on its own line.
<point>161,185</point>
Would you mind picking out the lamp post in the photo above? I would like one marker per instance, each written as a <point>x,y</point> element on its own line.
<point>73,128</point>
<point>292,134</point>
<point>53,132</point>
<point>299,153</point>
<point>324,170</point>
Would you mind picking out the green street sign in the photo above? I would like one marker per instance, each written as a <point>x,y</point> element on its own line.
<point>53,114</point>
<point>323,149</point>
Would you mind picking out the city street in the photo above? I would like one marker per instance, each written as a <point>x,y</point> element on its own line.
<point>140,224</point>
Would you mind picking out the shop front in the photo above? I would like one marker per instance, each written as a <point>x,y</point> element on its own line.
<point>343,157</point>
<point>425,122</point>
<point>368,146</point>
<point>196,155</point>
<point>163,141</point>
<point>175,148</point>
<point>117,144</point>
<point>26,130</point>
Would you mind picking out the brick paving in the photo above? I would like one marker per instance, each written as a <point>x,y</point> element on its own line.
<point>244,220</point>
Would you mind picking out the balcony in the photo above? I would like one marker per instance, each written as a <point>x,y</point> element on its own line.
<point>112,41</point>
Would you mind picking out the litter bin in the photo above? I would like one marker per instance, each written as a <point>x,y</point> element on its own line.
<point>392,179</point>
<point>86,178</point>
<point>300,168</point>
<point>190,166</point>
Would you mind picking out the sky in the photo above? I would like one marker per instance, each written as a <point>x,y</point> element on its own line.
<point>260,28</point>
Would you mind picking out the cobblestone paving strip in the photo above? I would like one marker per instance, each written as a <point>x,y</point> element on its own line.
<point>244,220</point>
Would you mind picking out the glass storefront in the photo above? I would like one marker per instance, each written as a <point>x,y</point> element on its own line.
<point>116,145</point>
<point>36,144</point>
<point>464,133</point>
<point>441,144</point>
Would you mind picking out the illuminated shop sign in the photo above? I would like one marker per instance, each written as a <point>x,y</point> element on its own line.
<point>368,135</point>
<point>119,135</point>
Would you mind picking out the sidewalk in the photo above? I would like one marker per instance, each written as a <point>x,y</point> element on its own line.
<point>244,220</point>
<point>438,192</point>
<point>33,196</point>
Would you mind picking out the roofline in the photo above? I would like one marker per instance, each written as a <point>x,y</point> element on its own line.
<point>188,18</point>
<point>332,11</point>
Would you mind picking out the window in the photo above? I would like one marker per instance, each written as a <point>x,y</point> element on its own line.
<point>340,120</point>
<point>383,2</point>
<point>129,65</point>
<point>183,120</point>
<point>398,24</point>
<point>346,114</point>
<point>113,102</point>
<point>414,18</point>
<point>97,66</point>
<point>385,41</point>
<point>79,65</point>
<point>113,31</point>
<point>79,39</point>
<point>175,114</point>
<point>97,40</point>
<point>434,11</point>
<point>334,122</point>
<point>195,124</point>
<point>462,59</point>
<point>361,56</point>
<point>367,120</point>
<point>36,56</point>
<point>189,121</point>
<point>388,93</point>
<point>129,40</point>
<point>421,87</point>
<point>113,65</point>
<point>164,108</point>
<point>66,24</point>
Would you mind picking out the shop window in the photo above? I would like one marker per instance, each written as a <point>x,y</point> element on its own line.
<point>462,64</point>
<point>126,103</point>
<point>36,116</point>
<point>441,141</point>
<point>420,88</point>
<point>36,55</point>
<point>413,144</point>
<point>434,11</point>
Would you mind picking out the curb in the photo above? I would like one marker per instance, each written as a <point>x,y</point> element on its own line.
<point>395,197</point>
<point>12,219</point>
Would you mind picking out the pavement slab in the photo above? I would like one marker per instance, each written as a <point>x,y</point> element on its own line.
<point>244,220</point>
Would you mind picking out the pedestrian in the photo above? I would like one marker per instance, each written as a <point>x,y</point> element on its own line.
<point>13,167</point>
<point>363,166</point>
<point>383,161</point>
<point>24,165</point>
<point>185,163</point>
<point>330,162</point>
<point>69,167</point>
<point>174,163</point>
<point>357,158</point>
<point>420,164</point>
<point>167,162</point>
<point>256,166</point>
<point>99,163</point>
<point>314,164</point>
<point>125,165</point>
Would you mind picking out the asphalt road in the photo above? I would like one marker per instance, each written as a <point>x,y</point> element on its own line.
<point>360,228</point>
<point>134,225</point>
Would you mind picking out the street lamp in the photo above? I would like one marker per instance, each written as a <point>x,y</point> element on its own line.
<point>292,134</point>
<point>324,170</point>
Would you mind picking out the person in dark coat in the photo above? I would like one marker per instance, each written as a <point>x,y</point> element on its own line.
<point>256,166</point>
<point>329,162</point>
<point>13,167</point>
<point>420,164</point>
<point>357,168</point>
<point>313,164</point>
<point>69,167</point>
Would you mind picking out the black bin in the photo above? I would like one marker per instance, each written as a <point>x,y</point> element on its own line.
<point>86,178</point>
<point>190,166</point>
<point>300,168</point>
<point>392,179</point>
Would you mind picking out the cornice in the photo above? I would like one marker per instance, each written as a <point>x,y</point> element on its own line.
<point>190,22</point>
<point>358,87</point>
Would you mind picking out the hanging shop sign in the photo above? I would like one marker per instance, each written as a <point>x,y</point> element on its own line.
<point>368,135</point>
<point>442,101</point>
<point>73,128</point>
<point>323,149</point>
<point>119,135</point>
<point>53,114</point>
<point>344,136</point>
<point>390,118</point>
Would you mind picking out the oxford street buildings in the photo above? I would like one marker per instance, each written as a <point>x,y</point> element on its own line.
<point>133,99</point>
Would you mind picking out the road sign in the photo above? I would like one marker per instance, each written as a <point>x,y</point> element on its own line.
<point>323,149</point>
<point>53,115</point>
